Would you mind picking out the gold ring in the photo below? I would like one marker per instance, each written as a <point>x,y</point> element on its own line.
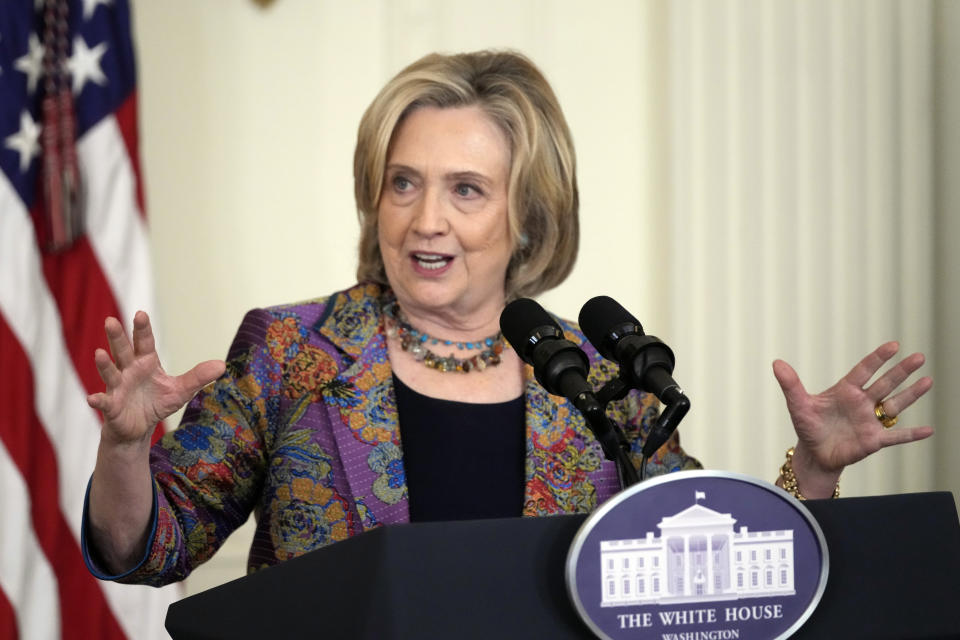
<point>882,416</point>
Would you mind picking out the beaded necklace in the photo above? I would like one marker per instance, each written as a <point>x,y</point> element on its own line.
<point>415,342</point>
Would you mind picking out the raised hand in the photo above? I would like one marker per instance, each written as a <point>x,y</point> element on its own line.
<point>139,392</point>
<point>839,426</point>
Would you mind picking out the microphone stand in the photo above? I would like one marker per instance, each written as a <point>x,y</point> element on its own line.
<point>614,444</point>
<point>557,365</point>
<point>609,434</point>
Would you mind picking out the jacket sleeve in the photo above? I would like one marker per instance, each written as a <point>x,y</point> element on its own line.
<point>207,473</point>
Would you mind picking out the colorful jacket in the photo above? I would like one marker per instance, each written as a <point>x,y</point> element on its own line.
<point>302,430</point>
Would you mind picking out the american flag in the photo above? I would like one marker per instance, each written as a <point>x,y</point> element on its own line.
<point>53,304</point>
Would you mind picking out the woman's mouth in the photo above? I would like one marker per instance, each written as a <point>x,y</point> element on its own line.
<point>431,261</point>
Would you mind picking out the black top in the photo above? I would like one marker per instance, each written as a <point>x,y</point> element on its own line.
<point>462,460</point>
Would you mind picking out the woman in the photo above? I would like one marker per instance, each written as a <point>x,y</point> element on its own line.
<point>465,182</point>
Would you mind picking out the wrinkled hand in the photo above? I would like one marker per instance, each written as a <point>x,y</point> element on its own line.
<point>139,392</point>
<point>838,427</point>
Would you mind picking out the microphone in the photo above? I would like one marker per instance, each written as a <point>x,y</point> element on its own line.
<point>561,367</point>
<point>645,362</point>
<point>558,364</point>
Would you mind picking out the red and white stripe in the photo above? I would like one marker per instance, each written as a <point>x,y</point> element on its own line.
<point>52,309</point>
<point>25,573</point>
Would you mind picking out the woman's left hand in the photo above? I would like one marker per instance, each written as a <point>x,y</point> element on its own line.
<point>839,426</point>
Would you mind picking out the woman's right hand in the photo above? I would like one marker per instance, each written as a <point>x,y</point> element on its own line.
<point>139,393</point>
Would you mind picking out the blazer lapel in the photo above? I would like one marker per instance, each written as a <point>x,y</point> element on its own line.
<point>543,432</point>
<point>561,459</point>
<point>362,407</point>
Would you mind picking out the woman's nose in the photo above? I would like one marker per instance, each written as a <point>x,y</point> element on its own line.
<point>431,216</point>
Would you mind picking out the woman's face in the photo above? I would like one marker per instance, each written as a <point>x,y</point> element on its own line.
<point>443,228</point>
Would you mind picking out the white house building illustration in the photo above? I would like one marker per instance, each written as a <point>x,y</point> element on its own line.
<point>697,557</point>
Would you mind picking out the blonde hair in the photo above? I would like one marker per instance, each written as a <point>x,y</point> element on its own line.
<point>542,189</point>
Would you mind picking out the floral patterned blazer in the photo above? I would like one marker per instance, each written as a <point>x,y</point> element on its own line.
<point>302,430</point>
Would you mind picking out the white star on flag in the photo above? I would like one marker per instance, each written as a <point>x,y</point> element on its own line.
<point>84,64</point>
<point>26,141</point>
<point>31,63</point>
<point>699,495</point>
<point>89,6</point>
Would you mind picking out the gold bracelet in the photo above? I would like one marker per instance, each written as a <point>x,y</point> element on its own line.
<point>789,479</point>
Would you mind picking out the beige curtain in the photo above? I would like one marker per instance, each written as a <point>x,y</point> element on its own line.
<point>801,218</point>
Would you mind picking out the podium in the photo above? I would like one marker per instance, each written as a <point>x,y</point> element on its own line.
<point>894,573</point>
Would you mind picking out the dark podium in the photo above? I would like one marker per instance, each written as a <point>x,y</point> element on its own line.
<point>894,573</point>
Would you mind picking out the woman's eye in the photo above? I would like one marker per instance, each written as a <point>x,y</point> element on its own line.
<point>400,183</point>
<point>465,190</point>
